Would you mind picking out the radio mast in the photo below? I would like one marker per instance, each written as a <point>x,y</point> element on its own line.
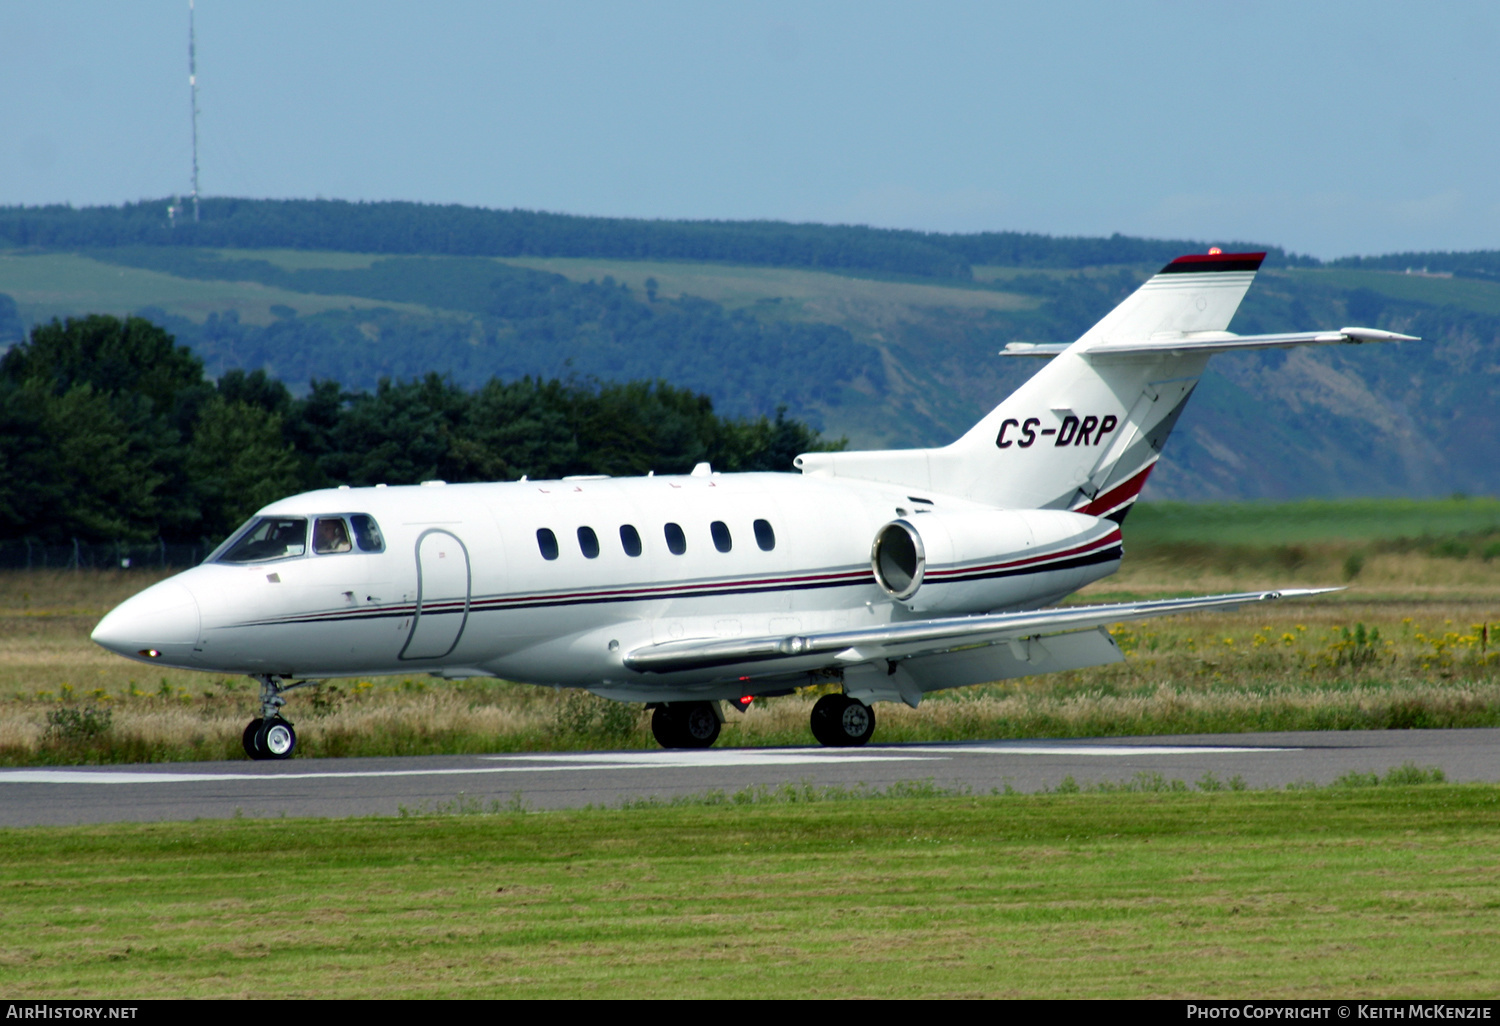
<point>193,83</point>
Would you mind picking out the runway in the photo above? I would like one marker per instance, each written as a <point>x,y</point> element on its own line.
<point>387,786</point>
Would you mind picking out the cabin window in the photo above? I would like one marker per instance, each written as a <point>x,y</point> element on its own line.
<point>588,542</point>
<point>720,532</point>
<point>330,535</point>
<point>547,542</point>
<point>630,539</point>
<point>367,533</point>
<point>269,538</point>
<point>676,540</point>
<point>765,537</point>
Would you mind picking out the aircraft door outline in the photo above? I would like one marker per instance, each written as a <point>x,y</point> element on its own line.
<point>430,642</point>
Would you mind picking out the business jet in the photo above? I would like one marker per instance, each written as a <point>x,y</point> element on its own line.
<point>888,574</point>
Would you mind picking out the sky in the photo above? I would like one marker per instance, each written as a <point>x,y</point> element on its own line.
<point>1327,128</point>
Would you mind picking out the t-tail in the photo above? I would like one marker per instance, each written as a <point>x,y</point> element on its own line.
<point>1085,432</point>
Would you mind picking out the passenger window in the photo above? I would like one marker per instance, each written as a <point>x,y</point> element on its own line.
<point>630,538</point>
<point>588,541</point>
<point>367,533</point>
<point>331,535</point>
<point>764,536</point>
<point>720,532</point>
<point>676,540</point>
<point>547,542</point>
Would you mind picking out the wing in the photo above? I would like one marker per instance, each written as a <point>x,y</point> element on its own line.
<point>923,637</point>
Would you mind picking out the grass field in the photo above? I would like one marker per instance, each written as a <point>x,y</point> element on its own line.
<point>1467,293</point>
<point>1412,643</point>
<point>1385,891</point>
<point>738,286</point>
<point>47,285</point>
<point>1373,887</point>
<point>1391,524</point>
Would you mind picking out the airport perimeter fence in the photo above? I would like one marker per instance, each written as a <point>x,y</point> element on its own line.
<point>159,555</point>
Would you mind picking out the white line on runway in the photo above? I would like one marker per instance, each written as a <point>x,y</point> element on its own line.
<point>679,759</point>
<point>1114,751</point>
<point>136,777</point>
<point>802,756</point>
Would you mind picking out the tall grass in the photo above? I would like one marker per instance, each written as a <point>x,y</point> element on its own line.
<point>1413,643</point>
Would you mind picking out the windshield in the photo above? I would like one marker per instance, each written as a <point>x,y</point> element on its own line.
<point>269,538</point>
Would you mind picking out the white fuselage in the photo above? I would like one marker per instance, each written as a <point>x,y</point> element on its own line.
<point>463,586</point>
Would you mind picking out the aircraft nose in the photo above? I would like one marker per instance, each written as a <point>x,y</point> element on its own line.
<point>162,621</point>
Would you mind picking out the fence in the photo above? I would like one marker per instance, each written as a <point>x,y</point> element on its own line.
<point>26,555</point>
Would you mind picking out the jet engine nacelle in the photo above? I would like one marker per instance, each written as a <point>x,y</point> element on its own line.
<point>981,560</point>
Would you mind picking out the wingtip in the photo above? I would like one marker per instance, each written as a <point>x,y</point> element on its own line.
<point>1285,593</point>
<point>1376,335</point>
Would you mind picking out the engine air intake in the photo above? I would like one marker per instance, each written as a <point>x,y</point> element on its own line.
<point>898,559</point>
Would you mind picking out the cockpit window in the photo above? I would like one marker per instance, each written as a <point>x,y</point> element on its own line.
<point>367,533</point>
<point>269,538</point>
<point>330,535</point>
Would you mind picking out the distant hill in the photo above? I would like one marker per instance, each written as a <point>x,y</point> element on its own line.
<point>417,228</point>
<point>887,337</point>
<point>1483,264</point>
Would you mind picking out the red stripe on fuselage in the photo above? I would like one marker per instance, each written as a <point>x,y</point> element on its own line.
<point>1118,495</point>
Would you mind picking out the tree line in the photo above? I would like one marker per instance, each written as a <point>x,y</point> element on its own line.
<point>110,431</point>
<point>453,230</point>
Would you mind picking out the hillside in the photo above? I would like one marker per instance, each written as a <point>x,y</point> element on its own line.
<point>888,357</point>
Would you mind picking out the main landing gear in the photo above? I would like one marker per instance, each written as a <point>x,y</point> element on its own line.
<point>685,724</point>
<point>271,736</point>
<point>839,721</point>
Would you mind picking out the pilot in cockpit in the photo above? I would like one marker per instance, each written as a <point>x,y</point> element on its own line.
<point>331,535</point>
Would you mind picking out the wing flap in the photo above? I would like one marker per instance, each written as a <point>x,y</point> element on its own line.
<point>1025,658</point>
<point>921,637</point>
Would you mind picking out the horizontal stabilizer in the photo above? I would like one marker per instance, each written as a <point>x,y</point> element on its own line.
<point>1212,342</point>
<point>1034,348</point>
<point>1223,341</point>
<point>921,637</point>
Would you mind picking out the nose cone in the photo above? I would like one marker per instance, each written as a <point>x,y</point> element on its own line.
<point>163,620</point>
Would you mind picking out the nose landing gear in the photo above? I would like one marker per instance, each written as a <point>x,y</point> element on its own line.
<point>269,739</point>
<point>271,736</point>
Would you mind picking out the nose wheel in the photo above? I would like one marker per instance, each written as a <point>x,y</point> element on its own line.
<point>839,721</point>
<point>271,738</point>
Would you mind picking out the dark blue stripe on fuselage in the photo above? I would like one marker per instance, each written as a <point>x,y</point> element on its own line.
<point>702,591</point>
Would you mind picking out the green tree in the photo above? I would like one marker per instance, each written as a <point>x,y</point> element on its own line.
<point>133,356</point>
<point>238,462</point>
<point>73,467</point>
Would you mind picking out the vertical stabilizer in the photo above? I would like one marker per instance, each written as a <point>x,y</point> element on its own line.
<point>1086,430</point>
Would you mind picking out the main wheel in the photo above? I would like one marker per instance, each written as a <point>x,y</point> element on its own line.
<point>276,739</point>
<point>665,727</point>
<point>685,725</point>
<point>700,726</point>
<point>248,739</point>
<point>839,721</point>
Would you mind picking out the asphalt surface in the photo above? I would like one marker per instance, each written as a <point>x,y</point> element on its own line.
<point>386,787</point>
